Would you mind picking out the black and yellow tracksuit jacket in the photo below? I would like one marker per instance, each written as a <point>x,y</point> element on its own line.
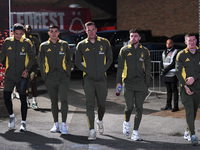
<point>96,58</point>
<point>134,66</point>
<point>19,56</point>
<point>54,59</point>
<point>188,65</point>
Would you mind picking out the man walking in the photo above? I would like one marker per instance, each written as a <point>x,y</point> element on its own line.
<point>96,54</point>
<point>54,59</point>
<point>188,74</point>
<point>19,60</point>
<point>134,71</point>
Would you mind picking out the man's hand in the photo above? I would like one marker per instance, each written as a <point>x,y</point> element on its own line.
<point>118,84</point>
<point>189,81</point>
<point>188,91</point>
<point>162,72</point>
<point>25,73</point>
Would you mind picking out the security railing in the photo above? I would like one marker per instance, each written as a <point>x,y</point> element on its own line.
<point>157,86</point>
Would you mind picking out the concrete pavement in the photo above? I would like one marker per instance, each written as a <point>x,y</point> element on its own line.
<point>159,129</point>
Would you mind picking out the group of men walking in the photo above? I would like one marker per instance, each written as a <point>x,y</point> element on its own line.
<point>94,57</point>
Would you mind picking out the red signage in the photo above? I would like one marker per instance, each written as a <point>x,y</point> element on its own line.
<point>71,19</point>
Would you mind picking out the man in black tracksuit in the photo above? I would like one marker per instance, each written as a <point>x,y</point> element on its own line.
<point>54,60</point>
<point>134,71</point>
<point>96,54</point>
<point>19,55</point>
<point>188,74</point>
<point>169,76</point>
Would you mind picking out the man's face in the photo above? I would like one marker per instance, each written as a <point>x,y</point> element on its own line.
<point>53,33</point>
<point>134,38</point>
<point>191,42</point>
<point>18,34</point>
<point>91,31</point>
<point>169,44</point>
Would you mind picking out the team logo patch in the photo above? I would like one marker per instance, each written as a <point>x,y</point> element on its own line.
<point>49,50</point>
<point>101,48</point>
<point>61,48</point>
<point>23,49</point>
<point>142,55</point>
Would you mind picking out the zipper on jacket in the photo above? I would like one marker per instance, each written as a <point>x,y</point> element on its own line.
<point>16,44</point>
<point>95,56</point>
<point>55,45</point>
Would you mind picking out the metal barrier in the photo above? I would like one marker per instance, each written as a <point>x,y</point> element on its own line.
<point>156,82</point>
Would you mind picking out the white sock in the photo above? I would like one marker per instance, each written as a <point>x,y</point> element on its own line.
<point>34,100</point>
<point>63,123</point>
<point>136,132</point>
<point>23,121</point>
<point>12,116</point>
<point>57,124</point>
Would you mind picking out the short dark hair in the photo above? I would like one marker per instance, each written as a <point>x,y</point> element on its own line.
<point>53,26</point>
<point>89,23</point>
<point>18,26</point>
<point>190,34</point>
<point>134,30</point>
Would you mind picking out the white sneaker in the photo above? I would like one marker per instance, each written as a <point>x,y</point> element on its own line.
<point>63,128</point>
<point>17,95</point>
<point>194,140</point>
<point>187,136</point>
<point>23,127</point>
<point>55,127</point>
<point>92,135</point>
<point>135,136</point>
<point>12,96</point>
<point>34,106</point>
<point>99,126</point>
<point>126,128</point>
<point>11,123</point>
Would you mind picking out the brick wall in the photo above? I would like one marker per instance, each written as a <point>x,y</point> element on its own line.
<point>163,17</point>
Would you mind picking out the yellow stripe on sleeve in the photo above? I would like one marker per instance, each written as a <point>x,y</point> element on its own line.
<point>124,73</point>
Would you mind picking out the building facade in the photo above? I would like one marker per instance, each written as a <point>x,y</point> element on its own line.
<point>163,17</point>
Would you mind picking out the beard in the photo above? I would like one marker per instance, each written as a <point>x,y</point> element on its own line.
<point>134,42</point>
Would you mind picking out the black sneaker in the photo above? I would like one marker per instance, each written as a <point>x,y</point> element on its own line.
<point>175,109</point>
<point>166,108</point>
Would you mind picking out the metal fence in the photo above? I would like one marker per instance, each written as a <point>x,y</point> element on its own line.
<point>157,86</point>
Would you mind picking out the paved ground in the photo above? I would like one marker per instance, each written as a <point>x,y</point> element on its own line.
<point>158,129</point>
